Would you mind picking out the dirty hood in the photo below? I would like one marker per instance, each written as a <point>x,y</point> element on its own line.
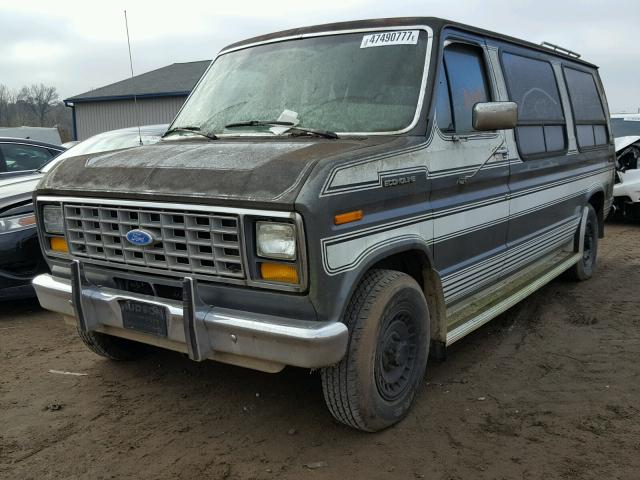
<point>223,171</point>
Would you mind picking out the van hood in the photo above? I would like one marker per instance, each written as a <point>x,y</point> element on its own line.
<point>224,171</point>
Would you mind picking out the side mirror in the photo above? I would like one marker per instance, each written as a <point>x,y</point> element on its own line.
<point>495,116</point>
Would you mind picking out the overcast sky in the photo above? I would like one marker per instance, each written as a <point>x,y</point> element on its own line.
<point>80,45</point>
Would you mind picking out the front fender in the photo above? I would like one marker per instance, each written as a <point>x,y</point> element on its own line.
<point>331,292</point>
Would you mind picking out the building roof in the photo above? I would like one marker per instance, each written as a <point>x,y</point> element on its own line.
<point>173,80</point>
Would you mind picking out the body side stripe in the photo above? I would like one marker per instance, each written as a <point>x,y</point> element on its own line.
<point>539,198</point>
<point>522,248</point>
<point>473,283</point>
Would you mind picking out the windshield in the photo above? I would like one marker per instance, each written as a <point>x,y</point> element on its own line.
<point>356,83</point>
<point>103,142</point>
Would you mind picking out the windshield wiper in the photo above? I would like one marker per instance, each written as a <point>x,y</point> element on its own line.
<point>279,123</point>
<point>195,130</point>
<point>259,123</point>
<point>314,131</point>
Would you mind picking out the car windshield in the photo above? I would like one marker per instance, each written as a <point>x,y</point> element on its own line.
<point>103,142</point>
<point>353,83</point>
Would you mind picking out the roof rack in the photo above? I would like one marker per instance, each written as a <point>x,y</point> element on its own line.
<point>559,49</point>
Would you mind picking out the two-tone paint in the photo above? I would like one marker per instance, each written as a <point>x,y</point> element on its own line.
<point>456,238</point>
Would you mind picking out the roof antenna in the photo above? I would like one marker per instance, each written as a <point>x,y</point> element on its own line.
<point>135,99</point>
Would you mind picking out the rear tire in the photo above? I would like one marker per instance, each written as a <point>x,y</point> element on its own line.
<point>375,383</point>
<point>113,348</point>
<point>586,267</point>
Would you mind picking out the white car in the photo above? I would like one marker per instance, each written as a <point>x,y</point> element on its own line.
<point>112,140</point>
<point>626,191</point>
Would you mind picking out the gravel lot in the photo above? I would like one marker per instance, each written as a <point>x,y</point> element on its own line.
<point>550,389</point>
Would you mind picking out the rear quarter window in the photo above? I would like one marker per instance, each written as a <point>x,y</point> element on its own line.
<point>588,112</point>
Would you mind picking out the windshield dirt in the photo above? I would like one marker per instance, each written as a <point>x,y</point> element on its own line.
<point>364,82</point>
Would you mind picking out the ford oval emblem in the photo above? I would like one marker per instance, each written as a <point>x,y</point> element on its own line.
<point>140,237</point>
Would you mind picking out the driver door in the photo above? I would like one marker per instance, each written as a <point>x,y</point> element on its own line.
<point>469,196</point>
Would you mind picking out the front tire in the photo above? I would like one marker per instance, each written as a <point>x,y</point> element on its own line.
<point>113,348</point>
<point>586,267</point>
<point>375,383</point>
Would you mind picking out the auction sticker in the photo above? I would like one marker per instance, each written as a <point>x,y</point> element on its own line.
<point>404,37</point>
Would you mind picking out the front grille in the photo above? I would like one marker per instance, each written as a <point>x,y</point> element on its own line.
<point>186,242</point>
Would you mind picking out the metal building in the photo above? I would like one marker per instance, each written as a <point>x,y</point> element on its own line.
<point>160,94</point>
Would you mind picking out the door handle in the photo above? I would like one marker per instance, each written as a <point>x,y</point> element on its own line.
<point>502,152</point>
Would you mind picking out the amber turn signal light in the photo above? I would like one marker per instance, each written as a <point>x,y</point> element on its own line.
<point>278,272</point>
<point>58,244</point>
<point>27,221</point>
<point>348,217</point>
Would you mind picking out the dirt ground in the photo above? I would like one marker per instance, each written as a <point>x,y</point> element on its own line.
<point>551,389</point>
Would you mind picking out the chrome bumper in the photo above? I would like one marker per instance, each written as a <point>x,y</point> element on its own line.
<point>264,342</point>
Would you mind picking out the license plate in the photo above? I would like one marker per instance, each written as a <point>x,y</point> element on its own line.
<point>144,317</point>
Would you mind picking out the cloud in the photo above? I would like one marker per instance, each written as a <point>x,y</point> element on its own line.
<point>79,45</point>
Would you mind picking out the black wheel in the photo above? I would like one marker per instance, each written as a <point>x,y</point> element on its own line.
<point>374,385</point>
<point>585,268</point>
<point>113,348</point>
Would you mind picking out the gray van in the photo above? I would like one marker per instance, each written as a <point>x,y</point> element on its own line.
<point>352,198</point>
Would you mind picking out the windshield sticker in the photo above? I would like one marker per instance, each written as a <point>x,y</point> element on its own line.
<point>406,37</point>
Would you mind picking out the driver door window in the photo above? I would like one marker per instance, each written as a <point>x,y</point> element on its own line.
<point>462,84</point>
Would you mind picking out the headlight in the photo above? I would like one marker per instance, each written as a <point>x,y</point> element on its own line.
<point>52,219</point>
<point>19,222</point>
<point>276,240</point>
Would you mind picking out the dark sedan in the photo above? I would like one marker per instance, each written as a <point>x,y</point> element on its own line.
<point>20,255</point>
<point>19,156</point>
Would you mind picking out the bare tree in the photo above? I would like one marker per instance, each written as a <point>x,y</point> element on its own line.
<point>7,98</point>
<point>60,116</point>
<point>40,99</point>
<point>34,105</point>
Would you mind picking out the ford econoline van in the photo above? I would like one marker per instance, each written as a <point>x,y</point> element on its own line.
<point>351,198</point>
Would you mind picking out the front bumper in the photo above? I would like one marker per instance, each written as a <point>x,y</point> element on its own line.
<point>629,186</point>
<point>259,341</point>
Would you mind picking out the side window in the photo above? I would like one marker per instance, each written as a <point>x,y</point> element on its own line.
<point>462,84</point>
<point>591,123</point>
<point>19,157</point>
<point>541,123</point>
<point>443,104</point>
<point>54,153</point>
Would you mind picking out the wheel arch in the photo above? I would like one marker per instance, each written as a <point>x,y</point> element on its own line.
<point>416,260</point>
<point>596,198</point>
